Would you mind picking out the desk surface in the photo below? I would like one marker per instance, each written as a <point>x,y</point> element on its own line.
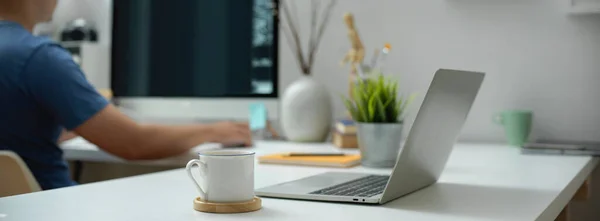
<point>80,149</point>
<point>480,182</point>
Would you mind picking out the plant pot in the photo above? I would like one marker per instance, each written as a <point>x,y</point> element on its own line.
<point>379,143</point>
<point>306,112</point>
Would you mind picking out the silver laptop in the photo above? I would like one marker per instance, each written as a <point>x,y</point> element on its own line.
<point>421,161</point>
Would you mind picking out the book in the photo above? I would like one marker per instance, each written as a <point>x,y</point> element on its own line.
<point>345,140</point>
<point>561,148</point>
<point>348,160</point>
<point>345,127</point>
<point>561,144</point>
<point>560,152</point>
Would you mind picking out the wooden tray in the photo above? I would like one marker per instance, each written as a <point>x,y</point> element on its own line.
<point>243,207</point>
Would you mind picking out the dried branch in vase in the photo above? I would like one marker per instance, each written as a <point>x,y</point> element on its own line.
<point>319,18</point>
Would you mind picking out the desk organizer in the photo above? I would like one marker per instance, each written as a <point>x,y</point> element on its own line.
<point>243,207</point>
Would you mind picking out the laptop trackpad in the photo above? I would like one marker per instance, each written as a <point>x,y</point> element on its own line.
<point>312,183</point>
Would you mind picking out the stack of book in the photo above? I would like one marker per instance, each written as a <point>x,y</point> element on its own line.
<point>344,134</point>
<point>562,148</point>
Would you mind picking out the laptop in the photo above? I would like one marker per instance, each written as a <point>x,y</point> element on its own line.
<point>421,161</point>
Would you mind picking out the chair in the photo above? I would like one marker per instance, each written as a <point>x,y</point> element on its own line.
<point>15,177</point>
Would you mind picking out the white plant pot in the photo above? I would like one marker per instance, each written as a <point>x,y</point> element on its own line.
<point>379,143</point>
<point>306,112</point>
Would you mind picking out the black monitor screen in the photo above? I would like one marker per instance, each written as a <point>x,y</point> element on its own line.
<point>194,48</point>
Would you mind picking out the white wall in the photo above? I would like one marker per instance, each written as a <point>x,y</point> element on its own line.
<point>95,59</point>
<point>98,11</point>
<point>536,55</point>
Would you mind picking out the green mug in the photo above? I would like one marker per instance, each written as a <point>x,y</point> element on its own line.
<point>517,125</point>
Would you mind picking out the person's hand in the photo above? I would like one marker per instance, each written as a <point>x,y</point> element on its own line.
<point>231,134</point>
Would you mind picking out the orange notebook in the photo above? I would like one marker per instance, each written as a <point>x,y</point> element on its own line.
<point>348,160</point>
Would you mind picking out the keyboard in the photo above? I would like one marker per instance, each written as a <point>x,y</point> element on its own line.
<point>363,187</point>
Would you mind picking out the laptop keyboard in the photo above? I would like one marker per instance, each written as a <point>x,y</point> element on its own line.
<point>363,187</point>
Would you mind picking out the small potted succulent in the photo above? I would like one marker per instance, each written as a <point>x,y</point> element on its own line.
<point>378,111</point>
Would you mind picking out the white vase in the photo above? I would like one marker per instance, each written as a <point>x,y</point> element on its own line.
<point>306,112</point>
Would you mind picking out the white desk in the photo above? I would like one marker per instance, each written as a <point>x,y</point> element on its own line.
<point>81,150</point>
<point>480,182</point>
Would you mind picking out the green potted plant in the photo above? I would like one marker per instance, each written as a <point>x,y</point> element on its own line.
<point>378,111</point>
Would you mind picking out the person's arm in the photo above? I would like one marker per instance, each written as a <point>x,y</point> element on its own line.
<point>59,87</point>
<point>117,134</point>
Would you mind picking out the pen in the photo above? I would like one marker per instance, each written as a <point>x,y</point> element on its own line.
<point>314,154</point>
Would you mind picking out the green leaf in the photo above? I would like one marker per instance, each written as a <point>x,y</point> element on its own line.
<point>359,101</point>
<point>356,95</point>
<point>362,111</point>
<point>372,106</point>
<point>375,99</point>
<point>394,90</point>
<point>381,109</point>
<point>351,108</point>
<point>387,103</point>
<point>399,102</point>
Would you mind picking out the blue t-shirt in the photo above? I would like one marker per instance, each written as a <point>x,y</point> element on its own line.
<point>42,91</point>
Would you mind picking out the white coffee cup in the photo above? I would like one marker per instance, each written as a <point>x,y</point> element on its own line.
<point>225,175</point>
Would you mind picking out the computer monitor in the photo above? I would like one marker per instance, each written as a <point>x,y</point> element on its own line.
<point>198,59</point>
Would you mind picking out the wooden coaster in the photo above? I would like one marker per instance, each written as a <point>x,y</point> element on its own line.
<point>243,207</point>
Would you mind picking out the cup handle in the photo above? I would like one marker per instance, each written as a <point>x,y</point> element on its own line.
<point>498,119</point>
<point>203,167</point>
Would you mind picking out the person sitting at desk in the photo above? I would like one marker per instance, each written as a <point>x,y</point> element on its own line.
<point>43,91</point>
